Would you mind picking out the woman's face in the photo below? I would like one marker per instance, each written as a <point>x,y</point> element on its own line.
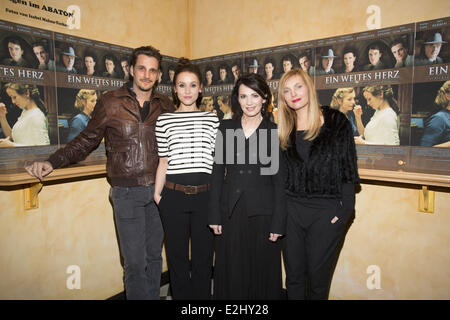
<point>269,70</point>
<point>89,62</point>
<point>295,93</point>
<point>89,103</point>
<point>187,88</point>
<point>347,103</point>
<point>209,77</point>
<point>250,101</point>
<point>19,100</point>
<point>373,101</point>
<point>349,60</point>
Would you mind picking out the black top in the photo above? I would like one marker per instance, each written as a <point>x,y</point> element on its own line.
<point>251,166</point>
<point>303,148</point>
<point>143,110</point>
<point>302,145</point>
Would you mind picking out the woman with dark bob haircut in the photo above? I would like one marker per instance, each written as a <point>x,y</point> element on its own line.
<point>246,207</point>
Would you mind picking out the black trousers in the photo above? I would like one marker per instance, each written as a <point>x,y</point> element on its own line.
<point>312,244</point>
<point>184,217</point>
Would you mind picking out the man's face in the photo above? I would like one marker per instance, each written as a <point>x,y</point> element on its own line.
<point>432,50</point>
<point>305,63</point>
<point>68,61</point>
<point>145,73</point>
<point>223,74</point>
<point>253,69</point>
<point>399,52</point>
<point>171,74</point>
<point>125,67</point>
<point>327,63</point>
<point>287,65</point>
<point>235,70</point>
<point>109,65</point>
<point>374,56</point>
<point>15,51</point>
<point>41,54</point>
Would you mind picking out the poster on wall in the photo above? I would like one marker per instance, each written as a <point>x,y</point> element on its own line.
<point>430,114</point>
<point>368,76</point>
<point>403,69</point>
<point>219,74</point>
<point>50,82</point>
<point>272,63</point>
<point>28,109</point>
<point>85,70</point>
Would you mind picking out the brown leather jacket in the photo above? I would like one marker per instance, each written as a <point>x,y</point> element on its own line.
<point>131,148</point>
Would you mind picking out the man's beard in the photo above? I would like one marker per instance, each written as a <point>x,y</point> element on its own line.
<point>149,88</point>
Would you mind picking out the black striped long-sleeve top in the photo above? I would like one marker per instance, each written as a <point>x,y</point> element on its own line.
<point>188,140</point>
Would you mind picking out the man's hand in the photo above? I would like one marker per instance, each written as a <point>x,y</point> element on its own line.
<point>39,169</point>
<point>216,228</point>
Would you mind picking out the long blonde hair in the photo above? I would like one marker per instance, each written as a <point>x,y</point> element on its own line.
<point>287,118</point>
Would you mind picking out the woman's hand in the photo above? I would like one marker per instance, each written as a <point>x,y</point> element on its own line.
<point>157,198</point>
<point>274,236</point>
<point>360,140</point>
<point>357,110</point>
<point>217,228</point>
<point>3,110</point>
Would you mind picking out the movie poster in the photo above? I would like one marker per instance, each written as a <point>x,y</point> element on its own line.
<point>219,74</point>
<point>28,109</point>
<point>85,69</point>
<point>430,118</point>
<point>368,77</point>
<point>392,84</point>
<point>64,75</point>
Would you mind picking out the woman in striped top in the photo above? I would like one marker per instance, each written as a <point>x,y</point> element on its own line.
<point>186,140</point>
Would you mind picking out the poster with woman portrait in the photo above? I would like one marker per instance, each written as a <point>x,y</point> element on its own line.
<point>28,109</point>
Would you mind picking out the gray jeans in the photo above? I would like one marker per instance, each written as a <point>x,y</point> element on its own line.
<point>140,239</point>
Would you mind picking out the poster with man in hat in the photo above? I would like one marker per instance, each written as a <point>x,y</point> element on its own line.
<point>67,60</point>
<point>327,57</point>
<point>430,49</point>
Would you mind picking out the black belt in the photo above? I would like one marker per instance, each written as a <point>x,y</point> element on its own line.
<point>187,189</point>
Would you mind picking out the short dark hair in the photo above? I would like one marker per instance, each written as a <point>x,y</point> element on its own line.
<point>253,81</point>
<point>288,57</point>
<point>375,46</point>
<point>110,58</point>
<point>149,51</point>
<point>14,40</point>
<point>398,41</point>
<point>41,43</point>
<point>185,65</point>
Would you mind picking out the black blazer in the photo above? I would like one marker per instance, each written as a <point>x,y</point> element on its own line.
<point>241,166</point>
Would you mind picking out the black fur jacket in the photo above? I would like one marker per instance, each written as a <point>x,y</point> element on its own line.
<point>332,160</point>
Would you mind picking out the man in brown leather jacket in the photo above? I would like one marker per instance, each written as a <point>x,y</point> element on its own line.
<point>126,118</point>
